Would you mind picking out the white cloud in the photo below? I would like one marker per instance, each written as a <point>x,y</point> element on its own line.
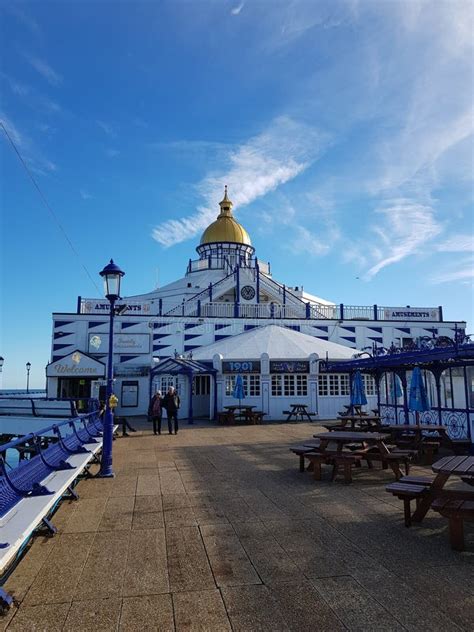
<point>458,271</point>
<point>457,243</point>
<point>254,168</point>
<point>45,70</point>
<point>405,227</point>
<point>85,195</point>
<point>236,10</point>
<point>112,153</point>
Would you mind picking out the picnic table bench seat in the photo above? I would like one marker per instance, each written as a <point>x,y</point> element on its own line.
<point>457,511</point>
<point>408,492</point>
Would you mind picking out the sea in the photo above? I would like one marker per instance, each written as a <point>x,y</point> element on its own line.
<point>12,455</point>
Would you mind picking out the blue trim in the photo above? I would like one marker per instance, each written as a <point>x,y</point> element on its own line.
<point>58,347</point>
<point>191,336</point>
<point>160,336</point>
<point>159,347</point>
<point>126,358</point>
<point>221,337</point>
<point>96,323</point>
<point>127,325</point>
<point>63,323</point>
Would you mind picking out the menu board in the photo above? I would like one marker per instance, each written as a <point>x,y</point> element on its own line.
<point>289,366</point>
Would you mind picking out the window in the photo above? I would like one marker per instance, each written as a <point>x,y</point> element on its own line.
<point>163,382</point>
<point>251,383</point>
<point>335,385</point>
<point>202,385</point>
<point>369,384</point>
<point>277,390</point>
<point>289,385</point>
<point>129,397</point>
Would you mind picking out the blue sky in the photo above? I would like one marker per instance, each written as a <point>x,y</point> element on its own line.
<point>343,129</point>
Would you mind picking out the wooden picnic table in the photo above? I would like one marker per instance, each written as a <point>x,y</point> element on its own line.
<point>462,466</point>
<point>361,421</point>
<point>298,410</point>
<point>239,407</point>
<point>366,439</point>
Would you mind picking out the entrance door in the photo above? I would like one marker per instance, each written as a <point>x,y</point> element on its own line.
<point>74,387</point>
<point>201,395</point>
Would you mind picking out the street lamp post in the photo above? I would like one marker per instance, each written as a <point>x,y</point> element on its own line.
<point>28,367</point>
<point>2,360</point>
<point>112,276</point>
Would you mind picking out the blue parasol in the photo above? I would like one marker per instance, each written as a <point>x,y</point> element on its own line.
<point>418,400</point>
<point>358,397</point>
<point>396,387</point>
<point>239,392</point>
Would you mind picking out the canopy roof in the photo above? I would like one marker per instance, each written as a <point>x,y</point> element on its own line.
<point>280,343</point>
<point>181,366</point>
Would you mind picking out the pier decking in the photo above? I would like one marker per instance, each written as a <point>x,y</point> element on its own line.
<point>216,529</point>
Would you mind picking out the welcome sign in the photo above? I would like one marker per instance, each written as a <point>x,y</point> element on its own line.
<point>76,364</point>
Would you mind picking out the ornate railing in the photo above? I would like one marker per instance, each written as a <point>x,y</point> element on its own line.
<point>458,421</point>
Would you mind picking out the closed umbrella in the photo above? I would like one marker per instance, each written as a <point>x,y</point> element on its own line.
<point>396,387</point>
<point>239,392</point>
<point>358,397</point>
<point>418,400</point>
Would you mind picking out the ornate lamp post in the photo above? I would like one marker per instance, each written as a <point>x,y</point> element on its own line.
<point>2,360</point>
<point>28,367</point>
<point>112,276</point>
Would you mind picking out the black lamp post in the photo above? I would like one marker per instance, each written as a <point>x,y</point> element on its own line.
<point>28,367</point>
<point>2,360</point>
<point>112,276</point>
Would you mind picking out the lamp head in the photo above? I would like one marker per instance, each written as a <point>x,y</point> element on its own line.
<point>112,276</point>
<point>28,366</point>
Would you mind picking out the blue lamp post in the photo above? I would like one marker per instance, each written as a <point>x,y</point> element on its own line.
<point>112,276</point>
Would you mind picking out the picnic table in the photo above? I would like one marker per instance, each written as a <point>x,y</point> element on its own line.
<point>298,411</point>
<point>243,412</point>
<point>372,446</point>
<point>362,422</point>
<point>462,466</point>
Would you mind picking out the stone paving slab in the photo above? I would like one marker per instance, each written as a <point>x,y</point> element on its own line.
<point>51,617</point>
<point>198,611</point>
<point>149,613</point>
<point>93,615</point>
<point>146,569</point>
<point>187,560</point>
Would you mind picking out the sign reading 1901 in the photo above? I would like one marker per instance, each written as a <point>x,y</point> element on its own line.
<point>246,366</point>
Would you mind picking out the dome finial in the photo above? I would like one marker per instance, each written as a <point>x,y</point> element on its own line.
<point>226,204</point>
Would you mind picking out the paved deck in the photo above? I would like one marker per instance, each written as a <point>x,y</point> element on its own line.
<point>215,529</point>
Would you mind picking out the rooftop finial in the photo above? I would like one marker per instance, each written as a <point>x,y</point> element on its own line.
<point>226,204</point>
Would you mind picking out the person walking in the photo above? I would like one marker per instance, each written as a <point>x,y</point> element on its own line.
<point>155,411</point>
<point>171,404</point>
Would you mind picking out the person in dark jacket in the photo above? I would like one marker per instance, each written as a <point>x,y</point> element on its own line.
<point>155,411</point>
<point>171,404</point>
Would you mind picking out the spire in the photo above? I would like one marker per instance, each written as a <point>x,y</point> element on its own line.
<point>226,205</point>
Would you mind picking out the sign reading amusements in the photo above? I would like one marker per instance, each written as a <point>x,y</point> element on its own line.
<point>410,313</point>
<point>94,306</point>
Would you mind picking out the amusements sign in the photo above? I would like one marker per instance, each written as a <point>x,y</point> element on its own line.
<point>415,313</point>
<point>289,366</point>
<point>243,366</point>
<point>123,343</point>
<point>93,306</point>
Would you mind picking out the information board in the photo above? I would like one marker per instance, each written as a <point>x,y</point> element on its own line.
<point>289,366</point>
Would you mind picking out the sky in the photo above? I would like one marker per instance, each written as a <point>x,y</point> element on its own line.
<point>343,129</point>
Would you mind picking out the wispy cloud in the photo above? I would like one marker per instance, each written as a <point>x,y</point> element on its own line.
<point>404,228</point>
<point>462,271</point>
<point>45,70</point>
<point>85,195</point>
<point>254,168</point>
<point>108,129</point>
<point>29,151</point>
<point>457,243</point>
<point>237,9</point>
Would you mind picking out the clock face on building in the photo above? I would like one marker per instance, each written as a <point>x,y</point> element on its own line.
<point>247,292</point>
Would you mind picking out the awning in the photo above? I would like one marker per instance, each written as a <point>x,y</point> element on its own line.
<point>181,366</point>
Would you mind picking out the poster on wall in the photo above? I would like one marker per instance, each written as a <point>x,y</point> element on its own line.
<point>123,343</point>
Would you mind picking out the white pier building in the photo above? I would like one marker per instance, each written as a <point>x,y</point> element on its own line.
<point>226,315</point>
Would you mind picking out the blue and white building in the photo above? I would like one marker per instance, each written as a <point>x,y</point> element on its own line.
<point>214,321</point>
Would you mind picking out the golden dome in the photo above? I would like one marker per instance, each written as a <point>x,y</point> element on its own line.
<point>225,228</point>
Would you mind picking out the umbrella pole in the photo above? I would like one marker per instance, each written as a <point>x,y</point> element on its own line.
<point>417,417</point>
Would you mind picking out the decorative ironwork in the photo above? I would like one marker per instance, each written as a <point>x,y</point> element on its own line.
<point>456,423</point>
<point>455,420</point>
